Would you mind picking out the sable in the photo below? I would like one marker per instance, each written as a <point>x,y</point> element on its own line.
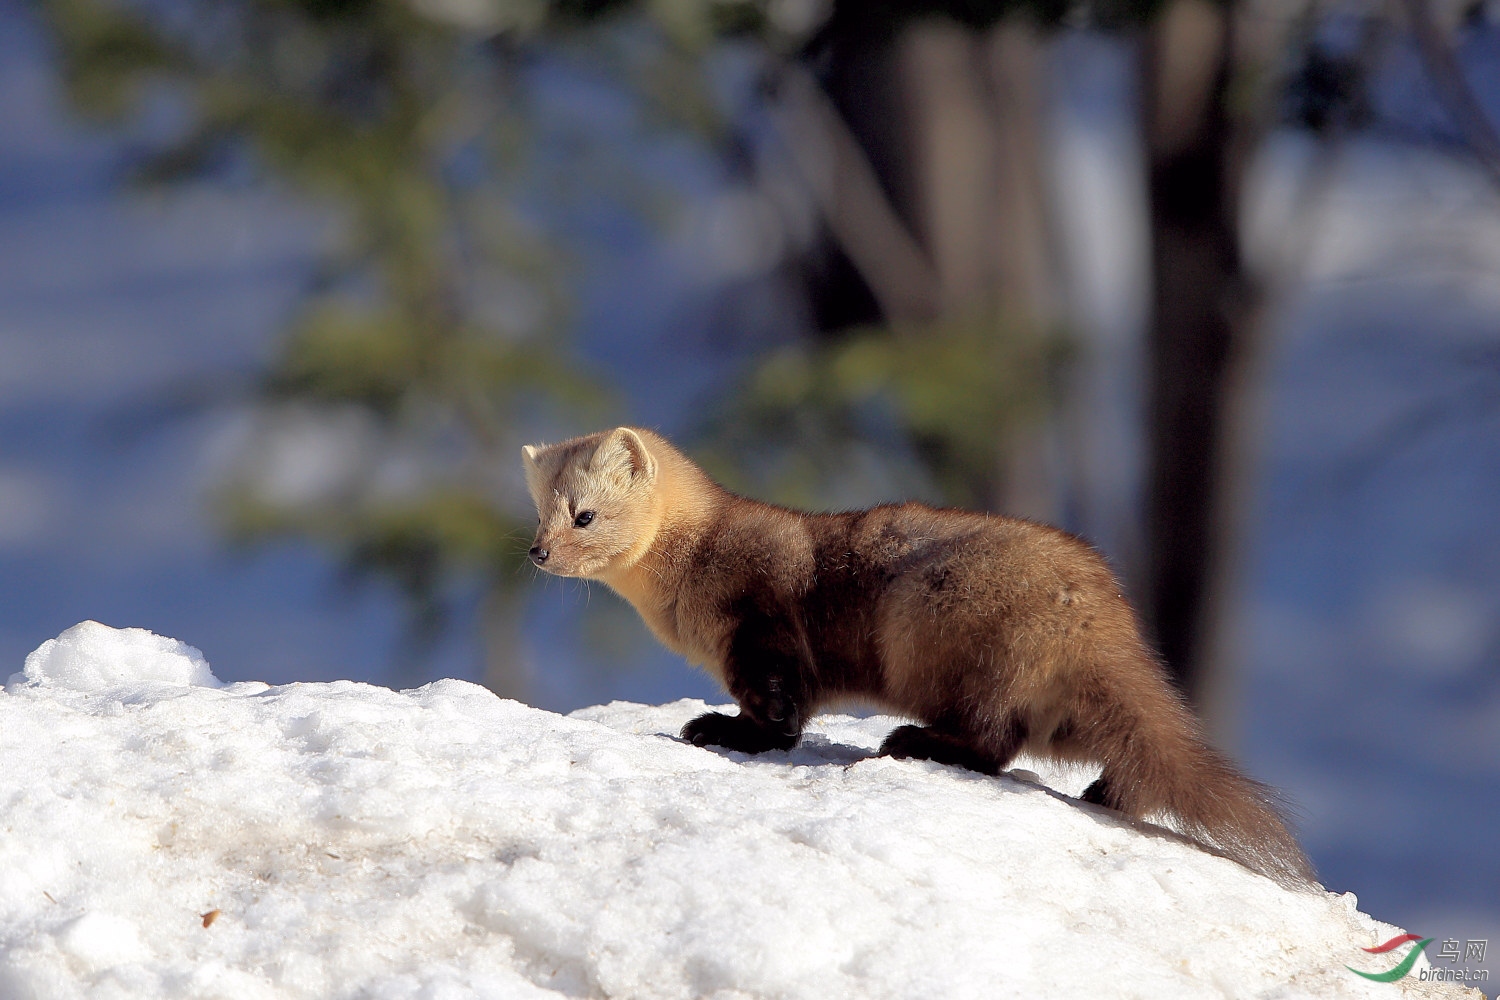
<point>998,635</point>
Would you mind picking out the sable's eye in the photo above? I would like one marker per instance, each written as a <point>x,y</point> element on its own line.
<point>584,519</point>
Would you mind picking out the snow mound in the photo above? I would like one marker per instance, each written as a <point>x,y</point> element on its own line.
<point>343,840</point>
<point>93,657</point>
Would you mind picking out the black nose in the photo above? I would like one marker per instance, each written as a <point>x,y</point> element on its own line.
<point>538,554</point>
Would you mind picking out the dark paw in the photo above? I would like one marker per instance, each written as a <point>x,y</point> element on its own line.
<point>1097,793</point>
<point>921,743</point>
<point>776,703</point>
<point>707,730</point>
<point>736,732</point>
<point>906,743</point>
<point>771,707</point>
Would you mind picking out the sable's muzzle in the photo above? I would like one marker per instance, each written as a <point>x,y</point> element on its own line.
<point>538,554</point>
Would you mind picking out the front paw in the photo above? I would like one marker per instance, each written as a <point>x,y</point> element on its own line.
<point>736,732</point>
<point>771,707</point>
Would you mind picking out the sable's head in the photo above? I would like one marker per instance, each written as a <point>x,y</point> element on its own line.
<point>594,501</point>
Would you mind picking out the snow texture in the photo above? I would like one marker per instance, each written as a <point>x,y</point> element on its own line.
<point>94,657</point>
<point>164,835</point>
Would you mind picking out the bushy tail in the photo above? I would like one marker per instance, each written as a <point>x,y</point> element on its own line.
<point>1159,762</point>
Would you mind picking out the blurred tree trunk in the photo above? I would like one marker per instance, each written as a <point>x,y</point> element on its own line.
<point>947,119</point>
<point>1208,97</point>
<point>1193,177</point>
<point>980,206</point>
<point>1027,268</point>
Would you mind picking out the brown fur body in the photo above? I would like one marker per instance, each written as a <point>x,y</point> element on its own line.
<point>996,634</point>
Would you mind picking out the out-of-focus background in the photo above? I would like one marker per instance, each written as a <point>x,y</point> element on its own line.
<point>285,284</point>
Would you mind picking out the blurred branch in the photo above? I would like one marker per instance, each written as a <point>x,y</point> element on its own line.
<point>848,194</point>
<point>1453,89</point>
<point>1341,116</point>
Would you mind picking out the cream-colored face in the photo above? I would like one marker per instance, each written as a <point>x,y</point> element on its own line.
<point>594,501</point>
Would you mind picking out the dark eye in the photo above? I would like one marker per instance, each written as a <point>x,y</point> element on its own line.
<point>584,519</point>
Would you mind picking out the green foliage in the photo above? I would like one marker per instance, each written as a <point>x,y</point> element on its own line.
<point>434,325</point>
<point>939,396</point>
<point>105,55</point>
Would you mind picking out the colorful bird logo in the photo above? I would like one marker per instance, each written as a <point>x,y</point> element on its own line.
<point>1402,967</point>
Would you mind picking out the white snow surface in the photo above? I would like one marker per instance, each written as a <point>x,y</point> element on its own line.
<point>168,836</point>
<point>94,657</point>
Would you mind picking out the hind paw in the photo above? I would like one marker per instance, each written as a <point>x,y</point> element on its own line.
<point>921,743</point>
<point>1097,793</point>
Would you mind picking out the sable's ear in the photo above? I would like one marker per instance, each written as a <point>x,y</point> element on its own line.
<point>623,452</point>
<point>534,477</point>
